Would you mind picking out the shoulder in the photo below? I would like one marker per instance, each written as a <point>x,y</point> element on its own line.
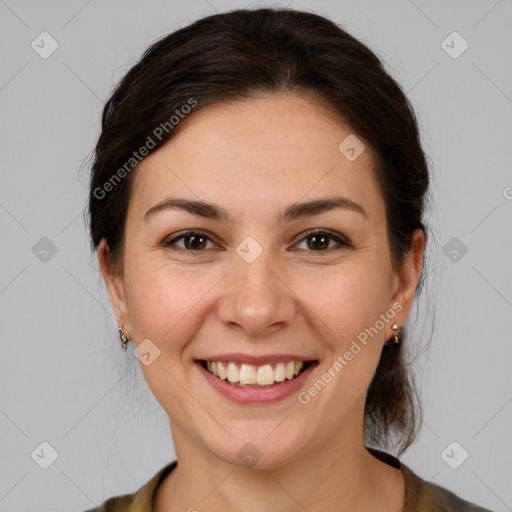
<point>423,496</point>
<point>141,500</point>
<point>115,504</point>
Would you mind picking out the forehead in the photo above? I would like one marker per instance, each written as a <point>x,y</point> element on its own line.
<point>262,150</point>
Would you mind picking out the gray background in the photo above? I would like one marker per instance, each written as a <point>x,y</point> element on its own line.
<point>63,377</point>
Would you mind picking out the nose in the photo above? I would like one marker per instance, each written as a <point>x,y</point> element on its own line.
<point>257,298</point>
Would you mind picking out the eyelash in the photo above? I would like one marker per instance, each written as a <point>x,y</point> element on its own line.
<point>309,234</point>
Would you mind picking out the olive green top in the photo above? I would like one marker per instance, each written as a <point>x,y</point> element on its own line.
<point>420,496</point>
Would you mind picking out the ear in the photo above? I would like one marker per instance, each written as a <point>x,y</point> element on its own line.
<point>115,285</point>
<point>407,277</point>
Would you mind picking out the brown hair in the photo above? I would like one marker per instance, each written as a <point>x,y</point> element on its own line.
<point>235,55</point>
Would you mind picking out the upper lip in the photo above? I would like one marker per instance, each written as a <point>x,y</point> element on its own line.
<point>255,360</point>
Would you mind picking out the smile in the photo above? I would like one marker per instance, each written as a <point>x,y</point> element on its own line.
<point>245,383</point>
<point>248,375</point>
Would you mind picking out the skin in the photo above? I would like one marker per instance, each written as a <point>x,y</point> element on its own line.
<point>254,158</point>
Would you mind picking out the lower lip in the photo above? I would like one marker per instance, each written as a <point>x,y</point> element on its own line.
<point>248,395</point>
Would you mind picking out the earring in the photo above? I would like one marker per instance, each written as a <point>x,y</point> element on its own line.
<point>396,336</point>
<point>122,335</point>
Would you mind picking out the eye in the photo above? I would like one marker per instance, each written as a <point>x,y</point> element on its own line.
<point>320,239</point>
<point>193,241</point>
<point>196,241</point>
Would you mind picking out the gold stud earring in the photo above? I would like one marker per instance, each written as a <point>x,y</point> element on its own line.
<point>396,336</point>
<point>122,335</point>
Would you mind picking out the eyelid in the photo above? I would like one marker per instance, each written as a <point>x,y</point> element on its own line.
<point>341,240</point>
<point>169,241</point>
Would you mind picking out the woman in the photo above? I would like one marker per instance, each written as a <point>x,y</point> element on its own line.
<point>257,202</point>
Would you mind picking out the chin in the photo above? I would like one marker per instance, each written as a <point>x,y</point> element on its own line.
<point>259,453</point>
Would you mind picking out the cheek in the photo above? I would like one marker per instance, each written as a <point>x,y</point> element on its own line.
<point>347,300</point>
<point>164,300</point>
<point>165,306</point>
<point>347,311</point>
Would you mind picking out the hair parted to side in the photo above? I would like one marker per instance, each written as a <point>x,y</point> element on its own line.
<point>242,53</point>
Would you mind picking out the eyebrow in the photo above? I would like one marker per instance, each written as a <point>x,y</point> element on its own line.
<point>292,212</point>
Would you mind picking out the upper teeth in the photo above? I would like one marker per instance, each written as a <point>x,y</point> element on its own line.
<point>246,374</point>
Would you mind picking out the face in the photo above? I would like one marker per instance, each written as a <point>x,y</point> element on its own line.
<point>265,276</point>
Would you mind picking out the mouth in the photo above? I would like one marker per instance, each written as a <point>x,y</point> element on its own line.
<point>251,376</point>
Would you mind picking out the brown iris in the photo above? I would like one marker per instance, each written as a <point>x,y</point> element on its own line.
<point>322,242</point>
<point>197,241</point>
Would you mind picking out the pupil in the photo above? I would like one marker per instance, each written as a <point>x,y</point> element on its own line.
<point>324,242</point>
<point>194,244</point>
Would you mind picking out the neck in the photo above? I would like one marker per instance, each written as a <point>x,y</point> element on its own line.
<point>341,475</point>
